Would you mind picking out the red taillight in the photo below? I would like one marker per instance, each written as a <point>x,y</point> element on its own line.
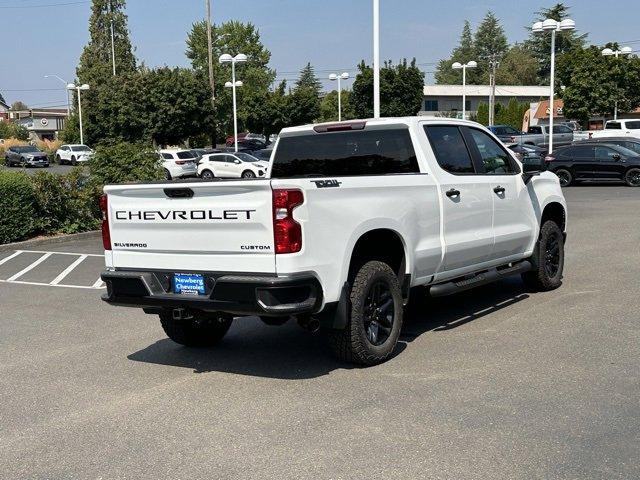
<point>106,234</point>
<point>549,158</point>
<point>287,233</point>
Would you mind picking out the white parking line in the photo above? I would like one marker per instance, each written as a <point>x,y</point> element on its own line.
<point>49,285</point>
<point>62,253</point>
<point>4,260</point>
<point>30,267</point>
<point>98,285</point>
<point>68,270</point>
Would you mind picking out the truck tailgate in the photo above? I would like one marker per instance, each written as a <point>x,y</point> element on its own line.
<point>223,226</point>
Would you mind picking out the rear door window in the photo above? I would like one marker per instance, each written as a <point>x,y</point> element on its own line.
<point>633,125</point>
<point>450,149</point>
<point>362,152</point>
<point>613,126</point>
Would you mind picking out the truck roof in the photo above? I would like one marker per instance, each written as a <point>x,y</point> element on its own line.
<point>379,121</point>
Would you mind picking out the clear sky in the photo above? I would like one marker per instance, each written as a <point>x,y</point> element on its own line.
<point>47,36</point>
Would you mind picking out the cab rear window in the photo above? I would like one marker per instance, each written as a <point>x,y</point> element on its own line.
<point>349,153</point>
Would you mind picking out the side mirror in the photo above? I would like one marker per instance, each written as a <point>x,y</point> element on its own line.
<point>237,162</point>
<point>616,157</point>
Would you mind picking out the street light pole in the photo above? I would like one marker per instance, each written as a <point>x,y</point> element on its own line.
<point>607,52</point>
<point>342,76</point>
<point>210,53</point>
<point>67,91</point>
<point>376,58</point>
<point>226,58</point>
<point>113,44</point>
<point>78,89</point>
<point>553,26</point>
<point>463,67</point>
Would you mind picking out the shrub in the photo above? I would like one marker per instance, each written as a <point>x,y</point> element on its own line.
<point>125,162</point>
<point>18,205</point>
<point>49,147</point>
<point>10,129</point>
<point>66,203</point>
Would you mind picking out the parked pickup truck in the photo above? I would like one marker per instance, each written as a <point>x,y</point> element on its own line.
<point>354,215</point>
<point>619,128</point>
<point>538,135</point>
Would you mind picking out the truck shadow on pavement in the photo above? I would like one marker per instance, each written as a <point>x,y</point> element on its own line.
<point>287,352</point>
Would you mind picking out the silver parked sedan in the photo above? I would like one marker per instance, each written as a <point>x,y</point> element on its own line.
<point>26,155</point>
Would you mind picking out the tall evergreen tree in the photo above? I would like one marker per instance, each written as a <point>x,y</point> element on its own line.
<point>95,61</point>
<point>464,52</point>
<point>490,43</point>
<point>517,67</point>
<point>539,45</point>
<point>308,79</point>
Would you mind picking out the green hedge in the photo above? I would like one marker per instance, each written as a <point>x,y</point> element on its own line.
<point>18,207</point>
<point>46,204</point>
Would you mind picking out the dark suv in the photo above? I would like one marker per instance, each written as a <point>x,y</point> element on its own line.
<point>588,160</point>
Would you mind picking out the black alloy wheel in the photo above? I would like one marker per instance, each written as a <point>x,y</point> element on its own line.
<point>552,254</point>
<point>632,178</point>
<point>379,312</point>
<point>565,177</point>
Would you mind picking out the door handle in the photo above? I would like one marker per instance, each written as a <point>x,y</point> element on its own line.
<point>453,193</point>
<point>499,190</point>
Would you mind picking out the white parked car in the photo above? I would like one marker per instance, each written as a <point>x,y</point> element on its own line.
<point>179,163</point>
<point>73,154</point>
<point>231,165</point>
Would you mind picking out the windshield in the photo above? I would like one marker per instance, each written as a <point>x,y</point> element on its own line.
<point>245,157</point>
<point>80,148</point>
<point>26,149</point>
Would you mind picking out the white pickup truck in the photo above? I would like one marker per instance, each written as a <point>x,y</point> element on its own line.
<point>618,128</point>
<point>354,215</point>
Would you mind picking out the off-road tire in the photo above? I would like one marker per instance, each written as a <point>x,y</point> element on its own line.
<point>351,344</point>
<point>632,177</point>
<point>203,330</point>
<point>539,278</point>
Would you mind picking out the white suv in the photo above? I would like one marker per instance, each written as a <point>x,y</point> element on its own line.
<point>73,154</point>
<point>179,163</point>
<point>231,165</point>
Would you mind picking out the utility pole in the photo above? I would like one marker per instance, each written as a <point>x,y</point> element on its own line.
<point>210,53</point>
<point>493,65</point>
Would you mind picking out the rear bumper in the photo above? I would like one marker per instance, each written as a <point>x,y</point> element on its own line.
<point>229,293</point>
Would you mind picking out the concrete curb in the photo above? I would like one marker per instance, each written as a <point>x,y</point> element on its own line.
<point>34,242</point>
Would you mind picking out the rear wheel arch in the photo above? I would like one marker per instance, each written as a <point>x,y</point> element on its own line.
<point>384,245</point>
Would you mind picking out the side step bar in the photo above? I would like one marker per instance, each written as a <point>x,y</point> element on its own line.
<point>481,278</point>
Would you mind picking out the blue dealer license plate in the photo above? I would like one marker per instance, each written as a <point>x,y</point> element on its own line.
<point>188,284</point>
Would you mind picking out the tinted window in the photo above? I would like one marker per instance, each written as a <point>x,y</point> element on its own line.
<point>561,129</point>
<point>613,126</point>
<point>582,152</point>
<point>631,146</point>
<point>186,155</point>
<point>450,149</point>
<point>167,156</point>
<point>633,125</point>
<point>494,157</point>
<point>362,152</point>
<point>431,105</point>
<point>216,158</point>
<point>536,130</point>
<point>606,153</point>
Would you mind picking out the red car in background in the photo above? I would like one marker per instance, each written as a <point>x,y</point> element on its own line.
<point>230,140</point>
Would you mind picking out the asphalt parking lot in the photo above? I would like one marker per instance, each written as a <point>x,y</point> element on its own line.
<point>53,168</point>
<point>495,383</point>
